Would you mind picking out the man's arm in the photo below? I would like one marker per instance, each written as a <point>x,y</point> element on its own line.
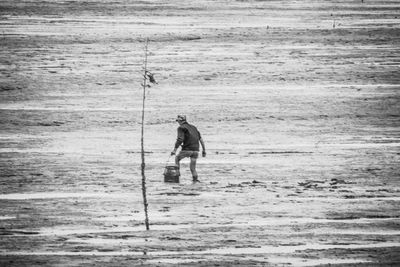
<point>203,146</point>
<point>179,140</point>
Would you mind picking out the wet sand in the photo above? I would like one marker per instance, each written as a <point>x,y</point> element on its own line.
<point>298,103</point>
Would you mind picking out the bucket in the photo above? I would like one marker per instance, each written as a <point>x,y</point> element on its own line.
<point>171,174</point>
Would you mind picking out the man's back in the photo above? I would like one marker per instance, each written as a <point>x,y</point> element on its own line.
<point>190,136</point>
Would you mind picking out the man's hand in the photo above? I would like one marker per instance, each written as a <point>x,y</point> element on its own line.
<point>204,153</point>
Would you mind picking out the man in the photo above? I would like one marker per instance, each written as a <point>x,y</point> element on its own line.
<point>189,137</point>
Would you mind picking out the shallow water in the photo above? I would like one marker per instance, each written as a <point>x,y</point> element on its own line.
<point>274,260</point>
<point>312,262</point>
<point>141,228</point>
<point>267,222</point>
<point>7,217</point>
<point>219,251</point>
<point>56,195</point>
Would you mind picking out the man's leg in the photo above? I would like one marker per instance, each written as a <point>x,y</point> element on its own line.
<point>177,160</point>
<point>183,154</point>
<point>193,168</point>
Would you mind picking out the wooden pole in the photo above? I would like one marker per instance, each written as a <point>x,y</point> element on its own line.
<point>143,165</point>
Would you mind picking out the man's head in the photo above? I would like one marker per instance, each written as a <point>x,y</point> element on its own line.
<point>181,119</point>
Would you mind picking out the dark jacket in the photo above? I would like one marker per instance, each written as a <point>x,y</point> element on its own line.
<point>189,136</point>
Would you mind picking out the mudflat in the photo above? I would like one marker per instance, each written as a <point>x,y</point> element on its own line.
<point>298,103</point>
